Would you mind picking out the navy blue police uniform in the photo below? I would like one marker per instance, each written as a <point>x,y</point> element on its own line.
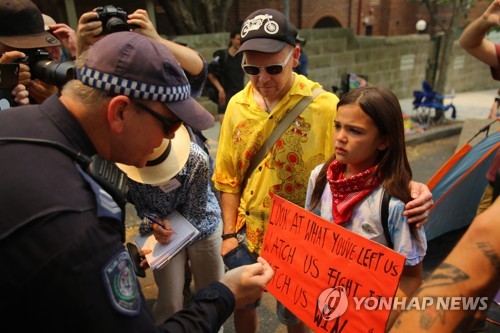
<point>64,266</point>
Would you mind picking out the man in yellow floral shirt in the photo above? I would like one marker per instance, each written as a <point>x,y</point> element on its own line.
<point>268,41</point>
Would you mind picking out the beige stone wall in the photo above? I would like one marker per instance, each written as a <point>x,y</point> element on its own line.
<point>466,73</point>
<point>398,63</point>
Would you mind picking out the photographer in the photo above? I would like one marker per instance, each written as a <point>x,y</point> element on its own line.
<point>90,30</point>
<point>94,25</point>
<point>66,35</point>
<point>21,30</point>
<point>50,71</point>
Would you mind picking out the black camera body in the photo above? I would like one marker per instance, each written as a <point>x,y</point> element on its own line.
<point>33,56</point>
<point>113,19</point>
<point>43,68</point>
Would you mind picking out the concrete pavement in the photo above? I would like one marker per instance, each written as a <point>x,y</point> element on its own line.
<point>469,105</point>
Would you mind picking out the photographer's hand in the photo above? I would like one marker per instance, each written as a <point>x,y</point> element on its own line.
<point>24,70</point>
<point>24,75</point>
<point>87,31</point>
<point>40,90</point>
<point>10,56</point>
<point>21,94</point>
<point>66,35</point>
<point>190,60</point>
<point>145,26</point>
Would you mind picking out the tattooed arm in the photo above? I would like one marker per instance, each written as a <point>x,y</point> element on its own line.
<point>470,270</point>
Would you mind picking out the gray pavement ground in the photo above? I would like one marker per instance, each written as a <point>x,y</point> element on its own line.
<point>469,105</point>
<point>427,151</point>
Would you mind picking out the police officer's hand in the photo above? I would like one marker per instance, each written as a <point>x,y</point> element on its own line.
<point>88,31</point>
<point>142,254</point>
<point>248,282</point>
<point>162,235</point>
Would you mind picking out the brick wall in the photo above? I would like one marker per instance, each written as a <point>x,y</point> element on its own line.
<point>391,17</point>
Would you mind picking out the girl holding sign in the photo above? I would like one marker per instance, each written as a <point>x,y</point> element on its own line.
<point>370,159</point>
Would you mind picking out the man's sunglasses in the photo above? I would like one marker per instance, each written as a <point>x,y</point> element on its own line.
<point>270,69</point>
<point>169,126</point>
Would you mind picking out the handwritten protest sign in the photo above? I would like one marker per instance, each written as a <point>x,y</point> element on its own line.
<point>331,278</point>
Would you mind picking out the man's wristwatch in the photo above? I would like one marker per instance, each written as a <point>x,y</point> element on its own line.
<point>227,236</point>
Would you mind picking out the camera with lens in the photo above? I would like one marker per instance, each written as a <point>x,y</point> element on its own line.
<point>43,68</point>
<point>113,19</point>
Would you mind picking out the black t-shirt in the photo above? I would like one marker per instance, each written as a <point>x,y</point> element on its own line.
<point>231,74</point>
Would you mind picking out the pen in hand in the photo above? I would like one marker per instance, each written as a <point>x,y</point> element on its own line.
<point>152,219</point>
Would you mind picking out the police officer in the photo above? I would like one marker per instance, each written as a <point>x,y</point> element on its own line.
<point>63,262</point>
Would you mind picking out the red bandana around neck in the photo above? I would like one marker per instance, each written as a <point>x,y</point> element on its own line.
<point>347,192</point>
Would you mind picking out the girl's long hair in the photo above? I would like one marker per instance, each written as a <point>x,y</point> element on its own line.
<point>393,170</point>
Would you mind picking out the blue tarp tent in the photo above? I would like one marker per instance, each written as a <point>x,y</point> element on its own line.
<point>457,187</point>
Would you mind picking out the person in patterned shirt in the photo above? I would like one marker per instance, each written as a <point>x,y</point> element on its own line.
<point>183,186</point>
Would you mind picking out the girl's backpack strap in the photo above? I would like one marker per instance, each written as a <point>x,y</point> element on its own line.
<point>384,218</point>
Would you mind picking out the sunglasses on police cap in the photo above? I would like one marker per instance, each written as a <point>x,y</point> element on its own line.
<point>270,69</point>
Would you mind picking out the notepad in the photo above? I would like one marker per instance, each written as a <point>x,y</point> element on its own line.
<point>184,233</point>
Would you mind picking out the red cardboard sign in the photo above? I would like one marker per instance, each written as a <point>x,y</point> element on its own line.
<point>328,276</point>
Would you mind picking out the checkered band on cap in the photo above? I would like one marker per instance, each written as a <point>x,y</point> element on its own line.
<point>131,88</point>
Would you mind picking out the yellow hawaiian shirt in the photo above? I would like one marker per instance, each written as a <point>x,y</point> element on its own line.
<point>285,170</point>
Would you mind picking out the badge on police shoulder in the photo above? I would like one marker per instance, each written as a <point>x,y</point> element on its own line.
<point>121,284</point>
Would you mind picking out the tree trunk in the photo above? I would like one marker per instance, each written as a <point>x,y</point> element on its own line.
<point>446,54</point>
<point>459,10</point>
<point>188,17</point>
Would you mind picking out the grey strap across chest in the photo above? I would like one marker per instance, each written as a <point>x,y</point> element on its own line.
<point>283,125</point>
